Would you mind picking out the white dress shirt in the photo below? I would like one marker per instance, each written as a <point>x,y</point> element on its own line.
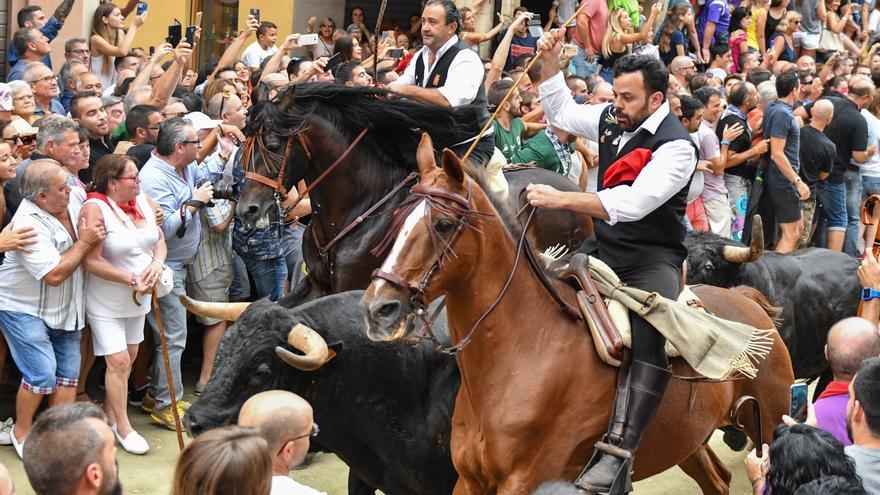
<point>462,81</point>
<point>283,485</point>
<point>668,171</point>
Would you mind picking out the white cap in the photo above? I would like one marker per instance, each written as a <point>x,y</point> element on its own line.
<point>201,121</point>
<point>22,127</point>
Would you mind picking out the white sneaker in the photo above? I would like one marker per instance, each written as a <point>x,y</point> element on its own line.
<point>19,447</point>
<point>5,429</point>
<point>133,443</point>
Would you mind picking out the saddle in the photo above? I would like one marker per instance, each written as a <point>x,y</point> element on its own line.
<point>607,319</point>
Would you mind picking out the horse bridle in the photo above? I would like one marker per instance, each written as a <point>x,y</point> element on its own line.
<point>418,292</point>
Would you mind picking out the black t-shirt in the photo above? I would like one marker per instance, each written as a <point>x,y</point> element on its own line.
<point>141,152</point>
<point>98,148</point>
<point>738,145</point>
<point>817,155</point>
<point>849,132</point>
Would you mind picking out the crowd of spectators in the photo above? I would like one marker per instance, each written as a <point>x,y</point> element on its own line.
<point>110,162</point>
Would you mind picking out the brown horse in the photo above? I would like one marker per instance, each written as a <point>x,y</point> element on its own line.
<point>534,396</point>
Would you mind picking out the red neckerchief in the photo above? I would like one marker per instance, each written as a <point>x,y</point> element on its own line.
<point>835,388</point>
<point>131,208</point>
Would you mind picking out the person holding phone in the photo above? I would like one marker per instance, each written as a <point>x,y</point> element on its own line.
<point>110,39</point>
<point>263,48</point>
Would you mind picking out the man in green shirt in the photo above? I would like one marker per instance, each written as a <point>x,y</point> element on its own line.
<point>509,129</point>
<point>551,149</point>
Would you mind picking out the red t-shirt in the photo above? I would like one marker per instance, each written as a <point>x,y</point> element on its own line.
<point>598,14</point>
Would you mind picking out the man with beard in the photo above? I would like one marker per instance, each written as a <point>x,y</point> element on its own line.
<point>646,161</point>
<point>683,69</point>
<point>87,109</point>
<point>509,128</point>
<point>863,423</point>
<point>70,449</point>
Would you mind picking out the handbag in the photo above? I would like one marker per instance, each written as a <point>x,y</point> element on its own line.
<point>166,281</point>
<point>829,41</point>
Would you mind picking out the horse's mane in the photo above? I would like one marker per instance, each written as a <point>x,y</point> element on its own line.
<point>397,122</point>
<point>506,213</point>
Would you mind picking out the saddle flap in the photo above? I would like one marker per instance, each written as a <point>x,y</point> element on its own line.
<point>606,335</point>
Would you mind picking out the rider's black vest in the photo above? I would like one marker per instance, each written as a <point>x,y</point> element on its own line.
<point>437,77</point>
<point>659,236</point>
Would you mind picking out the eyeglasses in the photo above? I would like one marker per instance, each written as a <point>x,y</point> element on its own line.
<point>174,114</point>
<point>327,26</point>
<point>312,433</point>
<point>28,139</point>
<point>50,77</point>
<point>136,178</point>
<point>79,52</point>
<point>23,97</point>
<point>191,142</point>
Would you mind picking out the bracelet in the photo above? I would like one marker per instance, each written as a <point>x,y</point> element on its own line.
<point>132,282</point>
<point>725,143</point>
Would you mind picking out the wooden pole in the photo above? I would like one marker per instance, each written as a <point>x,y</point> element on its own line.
<point>376,48</point>
<point>161,328</point>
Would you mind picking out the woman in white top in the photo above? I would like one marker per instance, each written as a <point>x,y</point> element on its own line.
<point>122,270</point>
<point>109,39</point>
<point>324,47</point>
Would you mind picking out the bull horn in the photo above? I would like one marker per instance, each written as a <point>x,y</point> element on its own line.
<point>312,345</point>
<point>739,255</point>
<point>221,311</point>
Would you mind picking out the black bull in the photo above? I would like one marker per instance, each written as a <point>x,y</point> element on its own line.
<point>814,287</point>
<point>384,409</point>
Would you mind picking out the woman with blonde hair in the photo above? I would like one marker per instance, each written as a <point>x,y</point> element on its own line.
<point>224,461</point>
<point>620,36</point>
<point>110,39</point>
<point>123,269</point>
<point>782,41</point>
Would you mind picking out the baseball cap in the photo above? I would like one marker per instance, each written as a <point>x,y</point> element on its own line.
<point>23,127</point>
<point>5,98</point>
<point>201,121</point>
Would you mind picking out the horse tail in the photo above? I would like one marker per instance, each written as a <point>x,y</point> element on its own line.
<point>774,312</point>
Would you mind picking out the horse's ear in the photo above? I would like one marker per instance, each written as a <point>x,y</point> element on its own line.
<point>425,155</point>
<point>452,165</point>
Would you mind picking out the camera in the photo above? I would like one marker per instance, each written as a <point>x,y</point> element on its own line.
<point>224,189</point>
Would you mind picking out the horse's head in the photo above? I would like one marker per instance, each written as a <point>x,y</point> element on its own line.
<point>434,245</point>
<point>273,158</point>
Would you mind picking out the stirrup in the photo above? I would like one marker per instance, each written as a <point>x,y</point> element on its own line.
<point>622,483</point>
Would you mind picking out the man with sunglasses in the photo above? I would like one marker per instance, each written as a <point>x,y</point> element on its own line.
<point>285,420</point>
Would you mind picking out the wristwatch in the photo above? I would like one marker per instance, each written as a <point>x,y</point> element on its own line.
<point>868,294</point>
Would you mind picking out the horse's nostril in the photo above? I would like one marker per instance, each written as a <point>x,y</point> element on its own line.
<point>386,309</point>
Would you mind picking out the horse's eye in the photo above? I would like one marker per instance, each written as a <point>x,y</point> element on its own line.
<point>444,226</point>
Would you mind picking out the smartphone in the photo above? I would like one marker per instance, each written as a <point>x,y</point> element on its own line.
<point>152,50</point>
<point>798,409</point>
<point>395,52</point>
<point>387,34</point>
<point>255,13</point>
<point>175,34</point>
<point>191,35</point>
<point>141,8</point>
<point>535,27</point>
<point>307,39</point>
<point>333,61</point>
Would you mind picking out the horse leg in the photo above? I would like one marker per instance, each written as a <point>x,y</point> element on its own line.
<point>357,486</point>
<point>708,471</point>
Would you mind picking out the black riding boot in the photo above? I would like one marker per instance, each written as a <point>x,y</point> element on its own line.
<point>608,471</point>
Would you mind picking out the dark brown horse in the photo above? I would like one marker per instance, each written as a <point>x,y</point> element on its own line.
<point>534,396</point>
<point>357,149</point>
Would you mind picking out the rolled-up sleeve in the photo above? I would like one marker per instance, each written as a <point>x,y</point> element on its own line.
<point>564,113</point>
<point>668,171</point>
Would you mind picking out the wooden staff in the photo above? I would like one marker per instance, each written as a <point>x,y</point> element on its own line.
<point>376,48</point>
<point>515,85</point>
<point>177,426</point>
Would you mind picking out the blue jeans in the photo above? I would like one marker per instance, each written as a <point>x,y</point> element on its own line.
<point>268,276</point>
<point>47,358</point>
<point>174,323</point>
<point>240,290</point>
<point>853,182</point>
<point>582,68</point>
<point>870,186</point>
<point>292,239</point>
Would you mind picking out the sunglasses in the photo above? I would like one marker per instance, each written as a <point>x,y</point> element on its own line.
<point>27,139</point>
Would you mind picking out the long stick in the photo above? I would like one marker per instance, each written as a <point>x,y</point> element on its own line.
<point>177,427</point>
<point>538,53</point>
<point>376,48</point>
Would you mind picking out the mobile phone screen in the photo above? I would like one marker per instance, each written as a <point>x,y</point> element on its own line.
<point>255,13</point>
<point>798,408</point>
<point>333,61</point>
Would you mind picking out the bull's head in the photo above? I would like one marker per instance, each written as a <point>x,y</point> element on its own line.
<point>253,357</point>
<point>713,260</point>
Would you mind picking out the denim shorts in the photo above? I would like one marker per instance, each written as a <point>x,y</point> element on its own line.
<point>832,202</point>
<point>47,358</point>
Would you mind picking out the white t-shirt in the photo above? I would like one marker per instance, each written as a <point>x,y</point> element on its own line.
<point>872,166</point>
<point>874,21</point>
<point>284,485</point>
<point>254,54</point>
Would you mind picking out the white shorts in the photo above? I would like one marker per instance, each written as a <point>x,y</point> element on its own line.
<point>111,335</point>
<point>805,40</point>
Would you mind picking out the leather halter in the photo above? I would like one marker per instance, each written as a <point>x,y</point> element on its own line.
<point>419,291</point>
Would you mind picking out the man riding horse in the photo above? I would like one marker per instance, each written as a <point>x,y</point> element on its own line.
<point>646,160</point>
